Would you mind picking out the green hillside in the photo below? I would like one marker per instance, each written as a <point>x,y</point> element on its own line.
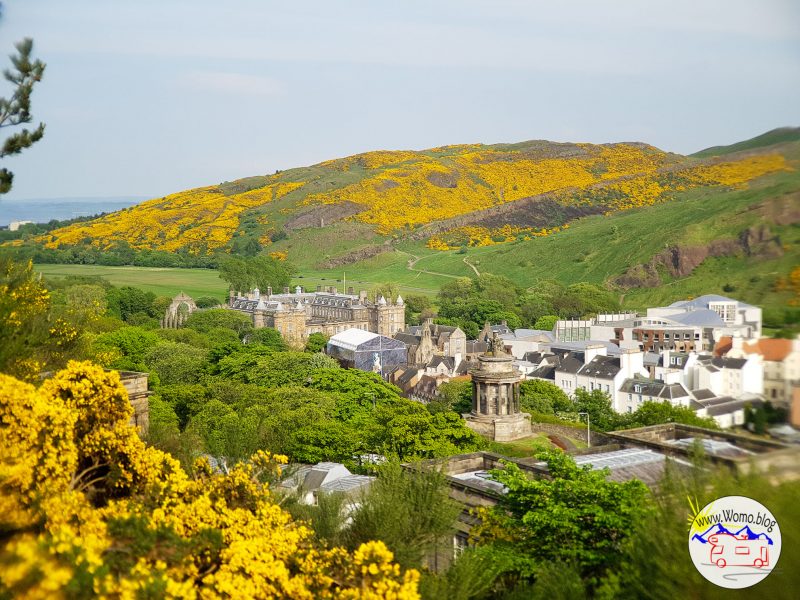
<point>650,226</point>
<point>770,138</point>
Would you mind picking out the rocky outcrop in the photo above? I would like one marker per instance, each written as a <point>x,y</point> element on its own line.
<point>784,210</point>
<point>321,215</point>
<point>534,211</point>
<point>680,261</point>
<point>442,179</point>
<point>354,256</point>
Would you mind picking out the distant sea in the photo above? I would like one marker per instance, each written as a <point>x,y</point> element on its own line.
<point>42,210</point>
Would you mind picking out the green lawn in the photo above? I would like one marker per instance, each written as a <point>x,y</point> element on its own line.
<point>529,446</point>
<point>160,281</point>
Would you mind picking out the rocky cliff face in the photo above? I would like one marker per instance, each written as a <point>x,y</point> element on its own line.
<point>680,261</point>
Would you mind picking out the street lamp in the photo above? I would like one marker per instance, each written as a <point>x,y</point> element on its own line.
<point>588,431</point>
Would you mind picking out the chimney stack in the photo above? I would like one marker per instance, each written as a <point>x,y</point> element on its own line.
<point>593,350</point>
<point>286,289</point>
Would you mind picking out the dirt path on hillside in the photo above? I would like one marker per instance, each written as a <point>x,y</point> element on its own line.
<point>473,267</point>
<point>415,259</point>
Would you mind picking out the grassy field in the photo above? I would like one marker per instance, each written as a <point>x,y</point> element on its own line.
<point>160,281</point>
<point>206,282</point>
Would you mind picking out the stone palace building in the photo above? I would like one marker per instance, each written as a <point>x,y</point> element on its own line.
<point>298,314</point>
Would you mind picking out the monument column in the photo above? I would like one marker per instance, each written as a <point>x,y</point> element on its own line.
<point>495,388</point>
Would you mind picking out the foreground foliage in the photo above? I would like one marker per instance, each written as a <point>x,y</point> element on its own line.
<point>87,509</point>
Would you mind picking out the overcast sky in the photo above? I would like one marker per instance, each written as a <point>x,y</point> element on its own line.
<point>154,96</point>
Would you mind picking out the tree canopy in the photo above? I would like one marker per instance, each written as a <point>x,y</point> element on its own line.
<point>16,110</point>
<point>247,273</point>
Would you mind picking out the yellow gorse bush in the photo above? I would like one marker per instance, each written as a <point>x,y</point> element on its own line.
<point>403,190</point>
<point>87,509</point>
<point>201,219</point>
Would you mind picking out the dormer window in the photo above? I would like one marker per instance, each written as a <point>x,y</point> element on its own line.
<point>637,388</point>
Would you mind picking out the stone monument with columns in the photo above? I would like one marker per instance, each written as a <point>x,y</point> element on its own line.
<point>495,397</point>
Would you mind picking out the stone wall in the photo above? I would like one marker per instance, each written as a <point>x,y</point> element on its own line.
<point>598,438</point>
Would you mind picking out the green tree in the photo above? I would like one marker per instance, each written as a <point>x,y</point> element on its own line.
<point>453,396</point>
<point>416,304</point>
<point>577,518</point>
<point>206,320</point>
<point>546,322</point>
<point>126,347</point>
<point>317,342</point>
<point>207,302</point>
<point>583,299</point>
<point>409,509</point>
<point>534,306</point>
<point>655,413</point>
<point>247,273</point>
<point>268,337</point>
<point>539,396</point>
<point>185,400</point>
<point>497,288</point>
<point>16,110</point>
<point>127,301</point>
<point>406,430</point>
<point>177,363</point>
<point>598,404</point>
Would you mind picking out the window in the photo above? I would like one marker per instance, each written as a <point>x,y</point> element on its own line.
<point>591,386</point>
<point>637,388</point>
<point>460,544</point>
<point>608,389</point>
<point>666,336</point>
<point>630,409</point>
<point>686,336</point>
<point>678,361</point>
<point>630,397</point>
<point>672,360</point>
<point>640,399</point>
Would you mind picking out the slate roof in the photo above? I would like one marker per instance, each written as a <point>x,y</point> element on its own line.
<point>535,357</point>
<point>723,362</point>
<point>725,405</point>
<point>569,363</point>
<point>601,367</point>
<point>448,362</point>
<point>404,381</point>
<point>408,339</point>
<point>702,394</point>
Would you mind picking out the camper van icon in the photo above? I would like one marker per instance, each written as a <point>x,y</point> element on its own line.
<point>734,541</point>
<point>729,550</point>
